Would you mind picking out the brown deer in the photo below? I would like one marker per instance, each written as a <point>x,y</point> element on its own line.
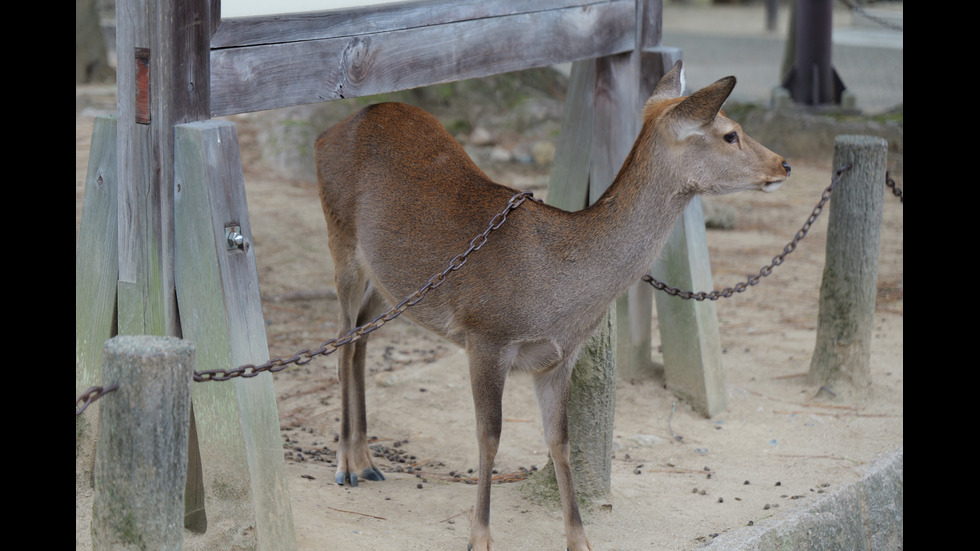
<point>401,197</point>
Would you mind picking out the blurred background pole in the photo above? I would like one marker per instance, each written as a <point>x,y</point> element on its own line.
<point>812,80</point>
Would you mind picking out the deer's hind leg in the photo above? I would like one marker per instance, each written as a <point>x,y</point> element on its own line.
<point>360,303</point>
<point>552,389</point>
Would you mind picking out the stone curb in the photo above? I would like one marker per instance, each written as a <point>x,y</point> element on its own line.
<point>867,515</point>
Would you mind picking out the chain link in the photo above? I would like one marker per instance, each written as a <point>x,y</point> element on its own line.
<point>91,395</point>
<point>895,188</point>
<point>766,270</point>
<point>356,334</point>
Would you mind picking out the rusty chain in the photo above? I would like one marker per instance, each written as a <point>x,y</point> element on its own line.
<point>778,259</point>
<point>91,395</point>
<point>305,356</point>
<point>766,270</point>
<point>894,187</point>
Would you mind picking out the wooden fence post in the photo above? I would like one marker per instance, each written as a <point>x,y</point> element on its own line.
<point>96,271</point>
<point>850,277</point>
<point>217,284</point>
<point>141,456</point>
<point>689,330</point>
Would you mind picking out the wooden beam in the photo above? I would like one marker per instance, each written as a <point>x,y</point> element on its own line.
<point>254,78</point>
<point>301,27</point>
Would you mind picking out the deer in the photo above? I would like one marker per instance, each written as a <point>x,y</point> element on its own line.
<point>400,196</point>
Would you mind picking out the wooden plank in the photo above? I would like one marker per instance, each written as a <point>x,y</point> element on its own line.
<point>635,308</point>
<point>568,187</point>
<point>297,27</point>
<point>221,313</point>
<point>591,408</point>
<point>617,119</point>
<point>96,257</point>
<point>689,329</point>
<point>649,25</point>
<point>281,75</point>
<point>96,272</point>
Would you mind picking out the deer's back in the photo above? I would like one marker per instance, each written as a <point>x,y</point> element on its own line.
<point>396,162</point>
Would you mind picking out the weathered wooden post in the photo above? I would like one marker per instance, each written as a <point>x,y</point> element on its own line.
<point>96,270</point>
<point>689,330</point>
<point>850,277</point>
<point>141,457</point>
<point>243,470</point>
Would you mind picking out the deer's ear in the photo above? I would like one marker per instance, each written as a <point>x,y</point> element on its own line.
<point>701,107</point>
<point>671,85</point>
<point>695,113</point>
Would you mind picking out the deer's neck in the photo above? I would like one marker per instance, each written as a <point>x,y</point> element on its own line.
<point>629,225</point>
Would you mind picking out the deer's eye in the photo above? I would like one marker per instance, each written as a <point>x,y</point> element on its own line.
<point>731,137</point>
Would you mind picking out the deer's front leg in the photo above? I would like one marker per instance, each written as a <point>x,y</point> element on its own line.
<point>487,380</point>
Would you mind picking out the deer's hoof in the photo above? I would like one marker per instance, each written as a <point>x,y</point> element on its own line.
<point>371,473</point>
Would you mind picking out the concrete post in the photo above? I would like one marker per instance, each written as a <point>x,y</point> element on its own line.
<point>141,456</point>
<point>850,277</point>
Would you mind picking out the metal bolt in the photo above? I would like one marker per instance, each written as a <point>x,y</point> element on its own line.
<point>234,237</point>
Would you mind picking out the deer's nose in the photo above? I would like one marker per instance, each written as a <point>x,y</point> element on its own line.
<point>787,168</point>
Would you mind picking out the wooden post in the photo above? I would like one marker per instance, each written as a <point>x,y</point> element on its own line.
<point>217,285</point>
<point>599,126</point>
<point>850,278</point>
<point>603,109</point>
<point>689,332</point>
<point>591,411</point>
<point>688,328</point>
<point>96,268</point>
<point>162,79</point>
<point>592,403</point>
<point>141,461</point>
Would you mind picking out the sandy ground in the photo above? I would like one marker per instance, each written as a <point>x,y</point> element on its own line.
<point>778,445</point>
